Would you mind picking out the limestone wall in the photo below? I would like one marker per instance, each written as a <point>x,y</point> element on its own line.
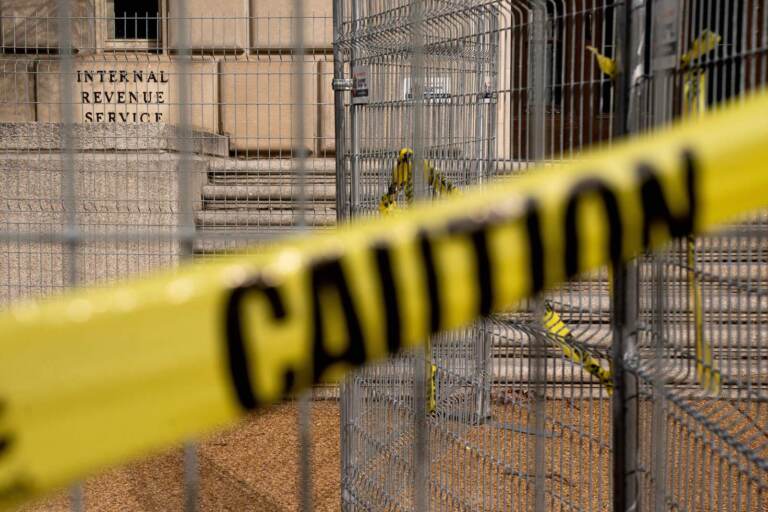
<point>239,83</point>
<point>126,181</point>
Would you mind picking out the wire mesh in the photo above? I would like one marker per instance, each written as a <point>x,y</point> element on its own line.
<point>700,359</point>
<point>517,423</point>
<point>486,447</point>
<point>136,134</point>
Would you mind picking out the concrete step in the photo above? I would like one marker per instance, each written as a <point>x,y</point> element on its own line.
<point>227,195</point>
<point>560,370</point>
<point>728,341</point>
<point>221,240</point>
<point>593,307</point>
<point>228,170</point>
<point>267,217</point>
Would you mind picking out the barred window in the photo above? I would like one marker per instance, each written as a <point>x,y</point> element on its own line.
<point>133,19</point>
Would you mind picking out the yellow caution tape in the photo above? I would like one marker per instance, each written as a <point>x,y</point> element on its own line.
<point>705,43</point>
<point>563,336</point>
<point>606,64</point>
<point>706,373</point>
<point>402,180</point>
<point>97,377</point>
<point>432,389</point>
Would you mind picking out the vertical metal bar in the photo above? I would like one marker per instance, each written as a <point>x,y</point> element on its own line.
<point>342,212</point>
<point>187,221</point>
<point>537,73</point>
<point>69,179</point>
<point>624,403</point>
<point>665,20</point>
<point>537,94</point>
<point>421,435</point>
<point>629,48</point>
<point>300,164</point>
<point>354,128</point>
<point>539,355</point>
<point>339,114</point>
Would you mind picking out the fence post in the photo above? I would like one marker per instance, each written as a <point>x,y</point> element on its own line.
<point>354,129</point>
<point>629,50</point>
<point>342,207</point>
<point>342,212</point>
<point>624,404</point>
<point>420,454</point>
<point>537,76</point>
<point>69,185</point>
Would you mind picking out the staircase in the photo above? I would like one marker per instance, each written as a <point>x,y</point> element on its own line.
<point>248,201</point>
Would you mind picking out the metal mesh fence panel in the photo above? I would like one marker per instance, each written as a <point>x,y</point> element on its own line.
<point>134,135</point>
<point>518,421</point>
<point>496,434</point>
<point>700,331</point>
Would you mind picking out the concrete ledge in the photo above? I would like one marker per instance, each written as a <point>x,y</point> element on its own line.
<point>124,192</point>
<point>111,137</point>
<point>268,166</point>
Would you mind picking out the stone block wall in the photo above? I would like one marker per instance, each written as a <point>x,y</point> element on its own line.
<point>239,83</point>
<point>126,181</point>
<point>272,24</point>
<point>33,24</point>
<point>17,89</point>
<point>210,25</point>
<point>258,104</point>
<point>130,88</point>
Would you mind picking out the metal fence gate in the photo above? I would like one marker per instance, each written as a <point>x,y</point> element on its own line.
<point>510,421</point>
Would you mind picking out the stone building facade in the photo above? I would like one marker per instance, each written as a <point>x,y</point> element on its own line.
<point>126,67</point>
<point>123,93</point>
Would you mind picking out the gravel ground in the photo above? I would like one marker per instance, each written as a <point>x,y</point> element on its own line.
<point>254,466</point>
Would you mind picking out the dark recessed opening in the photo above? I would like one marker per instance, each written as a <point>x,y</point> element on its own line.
<point>136,19</point>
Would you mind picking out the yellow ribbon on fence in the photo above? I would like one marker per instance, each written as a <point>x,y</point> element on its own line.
<point>606,64</point>
<point>563,337</point>
<point>695,78</point>
<point>402,180</point>
<point>695,103</point>
<point>96,377</point>
<point>707,374</point>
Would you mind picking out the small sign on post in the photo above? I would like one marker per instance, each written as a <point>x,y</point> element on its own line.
<point>360,85</point>
<point>666,31</point>
<point>437,89</point>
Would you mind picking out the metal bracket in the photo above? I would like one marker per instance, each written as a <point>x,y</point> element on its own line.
<point>342,84</point>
